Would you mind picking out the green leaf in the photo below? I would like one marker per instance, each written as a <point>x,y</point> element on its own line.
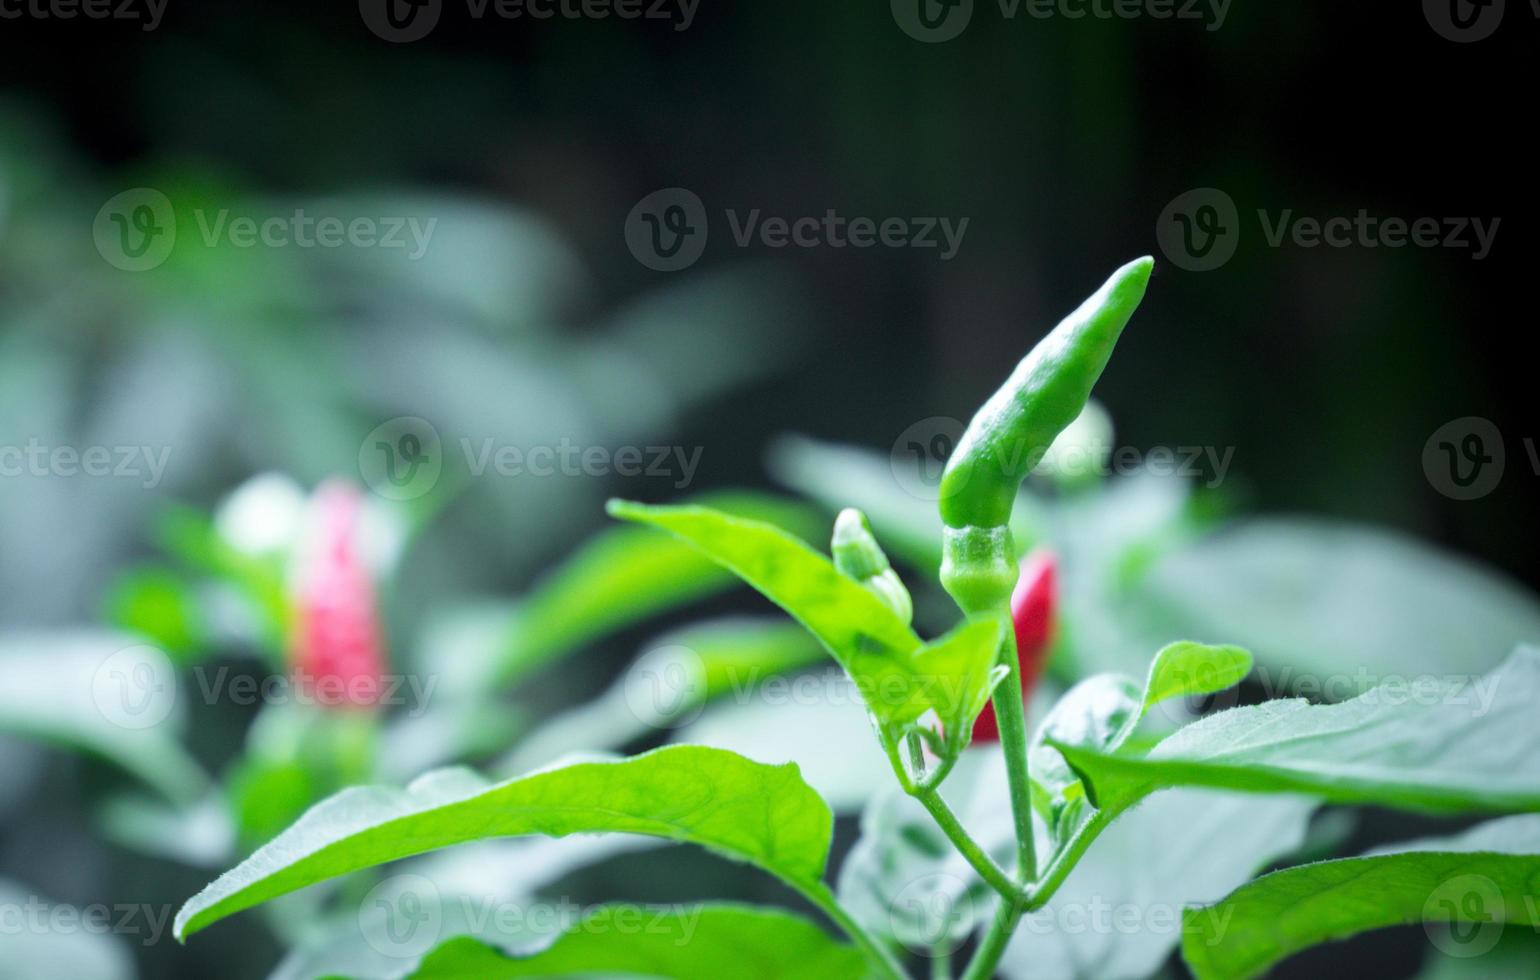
<point>1096,713</point>
<point>1483,878</point>
<point>1101,712</point>
<point>764,815</point>
<point>706,942</point>
<point>1188,669</point>
<point>1308,596</point>
<point>876,647</point>
<point>959,672</point>
<point>103,693</point>
<point>1444,745</point>
<point>621,576</point>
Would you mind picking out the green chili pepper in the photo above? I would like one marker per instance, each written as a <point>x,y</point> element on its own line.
<point>858,555</point>
<point>1013,430</point>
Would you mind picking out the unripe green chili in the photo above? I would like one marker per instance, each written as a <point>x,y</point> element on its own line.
<point>858,555</point>
<point>1012,431</point>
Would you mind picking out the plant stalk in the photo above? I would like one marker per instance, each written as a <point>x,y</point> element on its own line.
<point>880,956</point>
<point>991,872</point>
<point>1010,713</point>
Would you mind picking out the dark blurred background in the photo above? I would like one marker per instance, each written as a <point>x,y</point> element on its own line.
<point>1061,141</point>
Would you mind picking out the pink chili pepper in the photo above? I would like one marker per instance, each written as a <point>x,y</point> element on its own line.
<point>1032,615</point>
<point>336,644</point>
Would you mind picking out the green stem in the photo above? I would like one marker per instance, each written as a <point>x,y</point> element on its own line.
<point>1011,716</point>
<point>941,962</point>
<point>975,855</point>
<point>881,957</point>
<point>992,946</point>
<point>1069,855</point>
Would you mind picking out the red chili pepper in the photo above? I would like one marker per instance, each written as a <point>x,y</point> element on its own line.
<point>1032,616</point>
<point>337,652</point>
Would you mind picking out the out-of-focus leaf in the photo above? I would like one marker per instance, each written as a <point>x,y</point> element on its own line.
<point>1119,914</point>
<point>1476,881</point>
<point>705,942</point>
<point>667,686</point>
<point>1443,746</point>
<point>848,476</point>
<point>471,890</point>
<point>71,951</point>
<point>1342,606</point>
<point>764,815</point>
<point>201,834</point>
<point>159,605</point>
<point>103,693</point>
<point>620,576</point>
<point>815,720</point>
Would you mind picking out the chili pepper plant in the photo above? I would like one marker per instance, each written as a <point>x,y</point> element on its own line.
<point>984,814</point>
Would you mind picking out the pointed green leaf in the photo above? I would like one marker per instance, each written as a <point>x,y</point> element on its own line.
<point>619,577</point>
<point>1188,669</point>
<point>1482,878</point>
<point>764,815</point>
<point>959,671</point>
<point>1442,744</point>
<point>706,942</point>
<point>876,647</point>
